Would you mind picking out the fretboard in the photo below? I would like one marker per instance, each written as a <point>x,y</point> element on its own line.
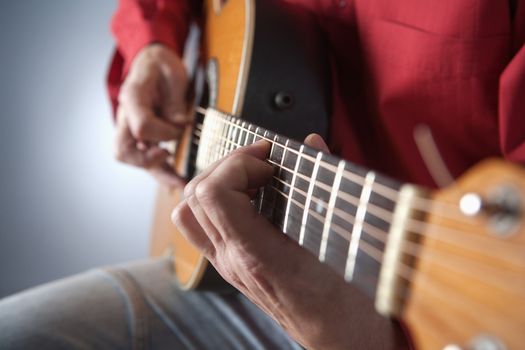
<point>338,211</point>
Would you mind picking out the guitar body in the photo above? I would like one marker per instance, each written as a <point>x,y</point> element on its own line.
<point>267,64</point>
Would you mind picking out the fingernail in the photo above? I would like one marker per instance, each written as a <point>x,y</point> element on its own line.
<point>175,212</point>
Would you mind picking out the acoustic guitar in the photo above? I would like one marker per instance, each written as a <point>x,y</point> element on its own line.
<point>450,264</point>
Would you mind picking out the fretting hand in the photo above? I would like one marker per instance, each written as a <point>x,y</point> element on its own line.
<point>151,109</point>
<point>311,302</point>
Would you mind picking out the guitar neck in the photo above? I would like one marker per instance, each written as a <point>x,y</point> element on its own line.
<point>342,213</point>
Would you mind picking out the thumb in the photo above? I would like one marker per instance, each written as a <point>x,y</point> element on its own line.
<point>317,142</point>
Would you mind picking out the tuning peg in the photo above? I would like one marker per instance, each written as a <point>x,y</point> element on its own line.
<point>502,205</point>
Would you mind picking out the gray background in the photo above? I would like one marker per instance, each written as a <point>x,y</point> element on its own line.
<point>65,204</point>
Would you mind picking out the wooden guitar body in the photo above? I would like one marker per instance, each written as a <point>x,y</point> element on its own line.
<point>267,64</point>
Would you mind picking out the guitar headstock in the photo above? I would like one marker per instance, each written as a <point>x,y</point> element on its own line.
<point>491,195</point>
<point>467,288</point>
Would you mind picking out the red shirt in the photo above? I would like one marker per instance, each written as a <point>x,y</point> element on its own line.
<point>457,66</point>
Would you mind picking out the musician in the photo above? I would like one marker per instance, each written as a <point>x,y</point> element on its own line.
<point>454,67</point>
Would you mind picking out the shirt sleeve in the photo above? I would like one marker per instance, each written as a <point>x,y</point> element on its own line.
<point>137,23</point>
<point>512,95</point>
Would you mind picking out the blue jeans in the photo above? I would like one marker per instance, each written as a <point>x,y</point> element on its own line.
<point>134,306</point>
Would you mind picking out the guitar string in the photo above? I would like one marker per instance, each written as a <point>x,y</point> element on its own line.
<point>410,250</point>
<point>406,273</point>
<point>375,231</point>
<point>385,191</point>
<point>414,225</point>
<point>457,216</point>
<point>422,204</point>
<point>418,203</point>
<point>440,258</point>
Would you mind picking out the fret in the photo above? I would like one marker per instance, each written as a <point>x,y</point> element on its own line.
<point>270,137</point>
<point>214,139</point>
<point>256,137</point>
<point>309,197</point>
<point>375,233</point>
<point>247,134</point>
<point>215,152</point>
<point>209,134</point>
<point>389,285</point>
<point>262,189</point>
<point>239,133</point>
<point>251,134</point>
<point>231,139</point>
<point>211,130</point>
<point>204,141</point>
<point>260,133</point>
<point>233,135</point>
<point>270,192</point>
<point>343,216</point>
<point>291,190</point>
<point>358,226</point>
<point>303,184</point>
<point>224,140</point>
<point>244,134</point>
<point>330,210</point>
<point>277,156</point>
<point>229,136</point>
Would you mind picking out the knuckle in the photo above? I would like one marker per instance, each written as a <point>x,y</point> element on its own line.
<point>181,214</point>
<point>206,191</point>
<point>237,160</point>
<point>140,129</point>
<point>189,189</point>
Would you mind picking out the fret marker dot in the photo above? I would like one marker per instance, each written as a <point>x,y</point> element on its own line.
<point>318,207</point>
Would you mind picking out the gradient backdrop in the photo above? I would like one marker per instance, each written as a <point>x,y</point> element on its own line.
<point>65,204</point>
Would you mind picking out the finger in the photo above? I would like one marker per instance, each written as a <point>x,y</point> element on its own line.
<point>317,142</point>
<point>183,217</point>
<point>259,150</point>
<point>165,174</point>
<point>143,122</point>
<point>127,150</point>
<point>204,222</point>
<point>126,147</point>
<point>223,194</point>
<point>173,90</point>
<point>240,172</point>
